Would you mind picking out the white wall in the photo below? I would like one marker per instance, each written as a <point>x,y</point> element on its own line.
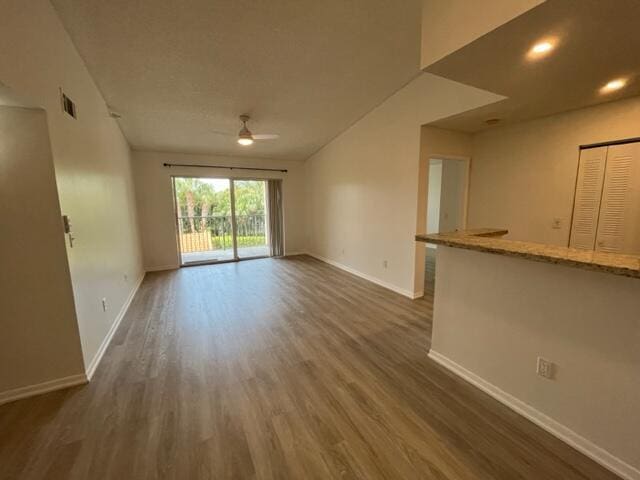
<point>156,206</point>
<point>364,185</point>
<point>39,330</point>
<point>448,25</point>
<point>433,196</point>
<point>523,176</point>
<point>91,159</point>
<point>515,310</point>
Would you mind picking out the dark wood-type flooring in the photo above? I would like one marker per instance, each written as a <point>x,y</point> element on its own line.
<point>429,271</point>
<point>275,369</point>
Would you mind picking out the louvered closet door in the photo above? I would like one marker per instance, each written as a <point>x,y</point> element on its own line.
<point>587,200</point>
<point>619,224</point>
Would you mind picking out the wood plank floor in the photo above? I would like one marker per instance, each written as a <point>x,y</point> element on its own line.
<point>429,271</point>
<point>275,369</point>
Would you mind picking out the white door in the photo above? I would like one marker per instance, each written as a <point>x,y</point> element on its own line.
<point>586,207</point>
<point>453,195</point>
<point>619,223</point>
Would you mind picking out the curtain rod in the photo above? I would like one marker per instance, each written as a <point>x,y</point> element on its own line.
<point>222,166</point>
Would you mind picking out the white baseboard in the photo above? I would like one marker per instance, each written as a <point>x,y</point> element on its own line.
<point>93,365</point>
<point>377,281</point>
<point>73,380</point>
<point>596,453</point>
<point>293,254</point>
<point>160,268</point>
<point>45,387</point>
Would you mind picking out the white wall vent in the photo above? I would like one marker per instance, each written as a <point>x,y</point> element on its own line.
<point>68,105</point>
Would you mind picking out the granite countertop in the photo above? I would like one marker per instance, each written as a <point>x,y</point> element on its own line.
<point>487,240</point>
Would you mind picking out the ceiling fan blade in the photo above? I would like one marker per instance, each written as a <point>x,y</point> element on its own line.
<point>225,134</point>
<point>265,136</point>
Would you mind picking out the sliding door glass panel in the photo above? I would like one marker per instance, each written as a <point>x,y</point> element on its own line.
<point>251,218</point>
<point>205,230</point>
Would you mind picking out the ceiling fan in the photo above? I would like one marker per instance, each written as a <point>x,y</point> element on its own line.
<point>247,137</point>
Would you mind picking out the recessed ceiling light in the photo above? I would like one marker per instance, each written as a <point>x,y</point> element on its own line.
<point>541,49</point>
<point>614,85</point>
<point>492,121</point>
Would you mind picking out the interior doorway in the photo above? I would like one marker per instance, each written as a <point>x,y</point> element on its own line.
<point>448,180</point>
<point>221,219</point>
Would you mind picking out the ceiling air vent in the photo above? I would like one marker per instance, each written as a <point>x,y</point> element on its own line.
<point>68,105</point>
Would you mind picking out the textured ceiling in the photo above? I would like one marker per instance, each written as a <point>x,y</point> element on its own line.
<point>597,41</point>
<point>305,69</point>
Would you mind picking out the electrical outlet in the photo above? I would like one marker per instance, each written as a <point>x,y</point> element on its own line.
<point>545,368</point>
<point>385,264</point>
<point>556,223</point>
<point>104,304</point>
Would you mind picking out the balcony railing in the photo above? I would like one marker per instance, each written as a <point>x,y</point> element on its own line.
<point>214,232</point>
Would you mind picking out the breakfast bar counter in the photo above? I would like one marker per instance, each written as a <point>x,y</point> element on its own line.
<point>502,305</point>
<point>489,240</point>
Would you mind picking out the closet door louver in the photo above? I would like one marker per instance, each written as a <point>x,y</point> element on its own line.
<point>587,200</point>
<point>619,224</point>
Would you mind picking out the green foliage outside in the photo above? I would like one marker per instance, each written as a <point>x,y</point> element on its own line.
<point>225,242</point>
<point>212,211</point>
<point>196,198</point>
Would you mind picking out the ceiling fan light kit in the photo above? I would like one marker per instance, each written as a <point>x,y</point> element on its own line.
<point>246,138</point>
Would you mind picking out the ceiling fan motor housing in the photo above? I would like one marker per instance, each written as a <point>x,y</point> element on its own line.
<point>244,131</point>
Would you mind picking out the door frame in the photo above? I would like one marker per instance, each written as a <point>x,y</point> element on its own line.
<point>466,182</point>
<point>422,206</point>
<point>233,219</point>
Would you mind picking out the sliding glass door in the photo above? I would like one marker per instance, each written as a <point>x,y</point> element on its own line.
<point>251,218</point>
<point>220,219</point>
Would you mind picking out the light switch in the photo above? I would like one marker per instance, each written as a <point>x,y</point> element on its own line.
<point>67,223</point>
<point>67,229</point>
